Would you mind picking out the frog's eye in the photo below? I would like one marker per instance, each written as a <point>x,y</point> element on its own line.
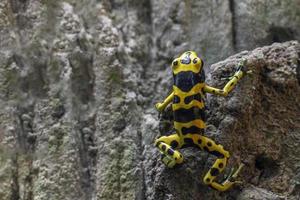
<point>175,63</point>
<point>195,60</point>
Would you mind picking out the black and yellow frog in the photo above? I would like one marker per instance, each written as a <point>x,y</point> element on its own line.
<point>188,107</point>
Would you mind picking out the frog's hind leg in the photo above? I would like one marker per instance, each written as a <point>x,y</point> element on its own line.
<point>218,167</point>
<point>167,146</point>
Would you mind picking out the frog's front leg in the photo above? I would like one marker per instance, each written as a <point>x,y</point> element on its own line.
<point>239,74</point>
<point>161,106</point>
<point>167,146</point>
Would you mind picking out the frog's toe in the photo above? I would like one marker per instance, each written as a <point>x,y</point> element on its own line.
<point>171,161</point>
<point>168,160</point>
<point>234,174</point>
<point>243,62</point>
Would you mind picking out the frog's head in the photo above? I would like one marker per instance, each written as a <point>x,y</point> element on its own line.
<point>188,61</point>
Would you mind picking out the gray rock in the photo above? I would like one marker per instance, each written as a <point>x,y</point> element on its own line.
<point>257,23</point>
<point>258,194</point>
<point>78,83</point>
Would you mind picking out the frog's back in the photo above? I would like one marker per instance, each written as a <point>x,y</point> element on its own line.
<point>189,120</point>
<point>188,102</point>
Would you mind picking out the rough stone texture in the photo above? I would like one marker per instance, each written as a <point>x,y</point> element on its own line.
<point>198,25</point>
<point>258,193</point>
<point>78,81</point>
<point>257,23</point>
<point>258,123</point>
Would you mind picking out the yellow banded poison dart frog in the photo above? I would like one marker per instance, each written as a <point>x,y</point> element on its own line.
<point>188,107</point>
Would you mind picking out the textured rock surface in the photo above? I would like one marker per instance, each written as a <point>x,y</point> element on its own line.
<point>258,123</point>
<point>78,81</point>
<point>257,23</point>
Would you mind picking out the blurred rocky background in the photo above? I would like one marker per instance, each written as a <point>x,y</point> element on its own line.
<point>79,79</point>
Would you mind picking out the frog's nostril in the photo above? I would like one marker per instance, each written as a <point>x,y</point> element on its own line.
<point>195,60</point>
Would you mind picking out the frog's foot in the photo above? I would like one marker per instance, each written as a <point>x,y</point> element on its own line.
<point>170,157</point>
<point>167,146</point>
<point>234,173</point>
<point>229,181</point>
<point>242,67</point>
<point>168,160</point>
